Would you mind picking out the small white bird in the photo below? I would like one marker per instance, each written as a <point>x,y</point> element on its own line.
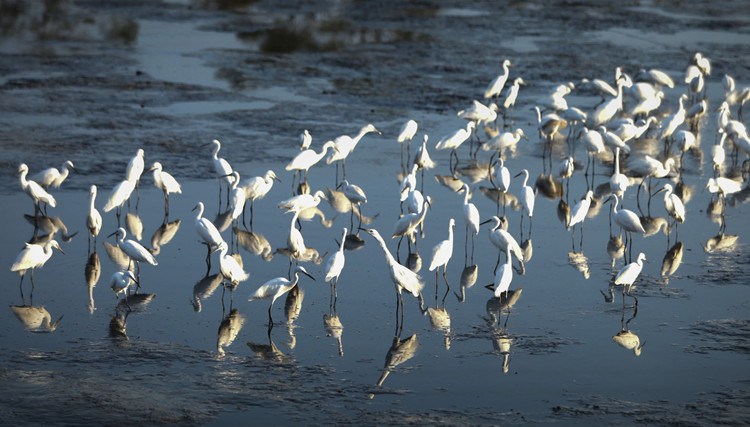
<point>454,140</point>
<point>579,211</point>
<point>277,287</point>
<point>308,158</point>
<point>230,268</point>
<point>206,229</point>
<point>345,144</point>
<point>305,139</point>
<point>504,140</point>
<point>165,182</point>
<point>626,277</point>
<point>504,276</point>
<point>336,263</point>
<point>34,256</point>
<point>498,83</point>
<point>294,241</point>
<point>442,252</point>
<point>256,188</point>
<point>673,205</point>
<point>527,198</point>
<point>407,132</point>
<point>236,196</point>
<point>221,166</point>
<point>33,189</point>
<point>119,195</point>
<point>121,281</point>
<point>52,177</point>
<point>134,250</point>
<point>503,240</point>
<point>94,218</point>
<point>135,167</point>
<point>618,182</point>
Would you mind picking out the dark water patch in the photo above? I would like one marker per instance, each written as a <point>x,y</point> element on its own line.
<point>732,335</point>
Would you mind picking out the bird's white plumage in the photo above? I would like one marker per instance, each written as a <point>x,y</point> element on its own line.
<point>135,167</point>
<point>230,268</point>
<point>119,195</point>
<point>504,276</point>
<point>206,229</point>
<point>302,201</point>
<point>33,189</point>
<point>165,181</point>
<point>402,277</point>
<point>34,256</point>
<point>94,218</point>
<point>455,139</point>
<point>579,211</point>
<point>133,249</point>
<point>443,251</point>
<point>52,177</point>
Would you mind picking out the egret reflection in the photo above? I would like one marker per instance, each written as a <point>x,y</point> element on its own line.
<point>35,319</point>
<point>228,329</point>
<point>204,288</point>
<point>672,260</point>
<point>92,272</point>
<point>134,225</point>
<point>399,353</point>
<point>254,243</point>
<point>627,339</point>
<point>468,279</point>
<point>163,235</point>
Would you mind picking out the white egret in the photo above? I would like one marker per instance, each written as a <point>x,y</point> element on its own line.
<point>671,123</point>
<point>527,198</point>
<point>207,231</point>
<point>655,76</point>
<point>723,186</point>
<point>422,158</point>
<point>236,196</point>
<point>121,281</point>
<point>607,109</point>
<point>504,140</point>
<point>549,125</point>
<point>34,190</point>
<point>345,144</point>
<point>135,168</point>
<point>277,287</point>
<point>414,198</point>
<point>94,218</point>
<point>510,97</point>
<point>356,196</point>
<point>613,141</point>
<point>52,177</point>
<point>335,264</point>
<point>405,135</point>
<point>503,240</point>
<point>402,277</point>
<point>442,253</point>
<point>479,113</point>
<point>134,250</point>
<point>165,182</point>
<point>565,170</point>
<point>618,182</point>
<point>471,215</point>
<point>627,220</point>
<point>498,83</point>
<point>649,167</point>
<point>302,201</point>
<point>685,140</point>
<point>703,63</point>
<point>256,188</point>
<point>578,215</point>
<point>717,153</point>
<point>408,224</point>
<point>307,159</point>
<point>504,276</point>
<point>502,174</point>
<point>230,267</point>
<point>453,141</point>
<point>673,204</point>
<point>409,181</point>
<point>627,276</point>
<point>305,139</point>
<point>118,196</point>
<point>32,257</point>
<point>222,167</point>
<point>294,241</point>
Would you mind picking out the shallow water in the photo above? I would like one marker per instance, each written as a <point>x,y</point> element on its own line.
<point>95,98</point>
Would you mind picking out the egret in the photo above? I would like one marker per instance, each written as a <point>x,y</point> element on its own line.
<point>673,204</point>
<point>236,196</point>
<point>256,188</point>
<point>407,225</point>
<point>578,215</point>
<point>222,168</point>
<point>414,198</point>
<point>453,141</point>
<point>422,158</point>
<point>655,76</point>
<point>646,106</point>
<point>402,277</point>
<point>717,153</point>
<point>694,114</point>
<point>134,250</point>
<point>409,181</point>
<point>471,216</point>
<point>356,196</point>
<point>503,240</point>
<point>119,195</point>
<point>120,282</point>
<point>307,159</point>
<point>305,139</point>
<point>504,276</point>
<point>672,122</point>
<point>565,171</point>
<point>479,113</point>
<point>527,198</point>
<point>230,267</point>
<point>606,110</point>
<point>442,253</point>
<point>627,220</point>
<point>405,135</point>
<point>135,168</point>
<point>613,141</point>
<point>498,83</point>
<point>626,277</point>
<point>294,241</point>
<point>703,63</point>
<point>94,218</point>
<point>32,257</point>
<point>618,183</point>
<point>345,144</point>
<point>52,177</point>
<point>685,141</point>
<point>207,231</point>
<point>601,87</point>
<point>277,287</point>
<point>723,186</point>
<point>166,183</point>
<point>504,140</point>
<point>510,97</point>
<point>336,264</point>
<point>302,201</point>
<point>549,125</point>
<point>34,190</point>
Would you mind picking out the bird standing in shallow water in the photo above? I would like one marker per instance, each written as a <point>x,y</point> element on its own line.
<point>336,264</point>
<point>256,188</point>
<point>134,250</point>
<point>222,168</point>
<point>626,277</point>
<point>34,190</point>
<point>405,135</point>
<point>94,218</point>
<point>527,199</point>
<point>277,287</point>
<point>52,177</point>
<point>166,183</point>
<point>442,253</point>
<point>33,256</point>
<point>230,268</point>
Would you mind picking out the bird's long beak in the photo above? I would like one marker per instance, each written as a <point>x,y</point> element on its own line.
<point>379,132</point>
<point>61,251</point>
<point>491,286</point>
<point>518,174</point>
<point>485,222</point>
<point>276,178</point>
<point>149,169</point>
<point>306,274</point>
<point>113,233</point>
<point>658,191</point>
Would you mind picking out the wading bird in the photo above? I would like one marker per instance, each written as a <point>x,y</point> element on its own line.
<point>626,277</point>
<point>442,253</point>
<point>166,183</point>
<point>256,188</point>
<point>336,264</point>
<point>34,190</point>
<point>277,287</point>
<point>94,218</point>
<point>52,177</point>
<point>32,257</point>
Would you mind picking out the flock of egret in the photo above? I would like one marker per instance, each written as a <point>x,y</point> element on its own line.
<point>626,125</point>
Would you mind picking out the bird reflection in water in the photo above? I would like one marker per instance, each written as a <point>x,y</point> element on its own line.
<point>414,262</point>
<point>615,249</point>
<point>118,324</point>
<point>116,255</point>
<point>204,288</point>
<point>228,329</point>
<point>49,226</point>
<point>549,187</point>
<point>92,272</point>
<point>627,339</point>
<point>134,225</point>
<point>268,352</point>
<point>292,310</point>
<point>254,243</point>
<point>163,235</point>
<point>399,352</point>
<point>580,262</point>
<point>341,204</point>
<point>720,243</point>
<point>672,260</point>
<point>35,319</point>
<point>450,182</point>
<point>496,305</point>
<point>468,279</point>
<point>476,171</point>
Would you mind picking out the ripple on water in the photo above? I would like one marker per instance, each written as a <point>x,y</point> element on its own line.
<point>731,335</point>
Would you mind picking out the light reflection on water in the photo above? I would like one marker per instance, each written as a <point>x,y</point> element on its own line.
<point>554,347</point>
